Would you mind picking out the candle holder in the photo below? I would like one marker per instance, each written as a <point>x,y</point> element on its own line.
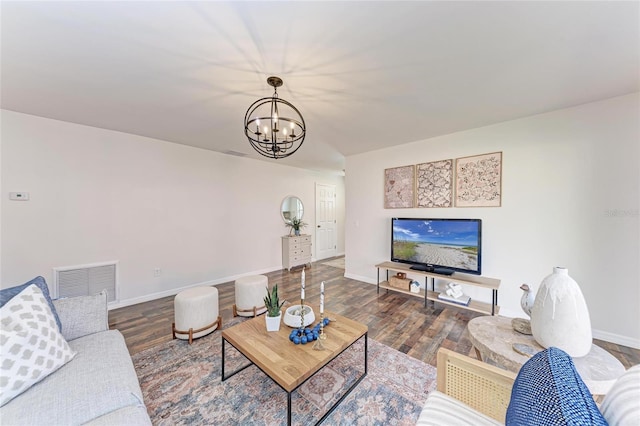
<point>319,344</point>
<point>301,314</point>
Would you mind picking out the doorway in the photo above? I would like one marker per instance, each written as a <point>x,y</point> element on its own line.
<point>326,239</point>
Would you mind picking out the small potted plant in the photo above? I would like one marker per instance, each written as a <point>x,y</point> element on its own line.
<point>273,305</point>
<point>296,224</point>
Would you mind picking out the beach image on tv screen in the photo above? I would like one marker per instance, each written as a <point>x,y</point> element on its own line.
<point>445,243</point>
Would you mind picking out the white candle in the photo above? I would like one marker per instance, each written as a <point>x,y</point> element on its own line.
<point>322,297</point>
<point>302,285</point>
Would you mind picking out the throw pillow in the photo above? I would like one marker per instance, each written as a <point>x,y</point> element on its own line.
<point>8,293</point>
<point>82,315</point>
<point>30,343</point>
<point>549,391</point>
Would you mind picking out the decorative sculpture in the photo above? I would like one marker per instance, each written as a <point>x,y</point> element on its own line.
<point>526,302</point>
<point>560,316</point>
<point>522,325</point>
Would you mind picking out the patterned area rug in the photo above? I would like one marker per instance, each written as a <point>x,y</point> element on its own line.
<point>336,263</point>
<point>181,385</point>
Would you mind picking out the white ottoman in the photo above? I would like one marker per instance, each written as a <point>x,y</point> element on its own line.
<point>196,313</point>
<point>250,293</point>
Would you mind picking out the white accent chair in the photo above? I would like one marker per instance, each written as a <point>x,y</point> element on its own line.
<point>471,392</point>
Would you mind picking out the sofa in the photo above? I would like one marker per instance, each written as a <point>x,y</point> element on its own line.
<point>98,385</point>
<point>546,391</point>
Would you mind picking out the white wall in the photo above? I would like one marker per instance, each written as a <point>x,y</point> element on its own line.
<point>570,198</point>
<point>99,195</point>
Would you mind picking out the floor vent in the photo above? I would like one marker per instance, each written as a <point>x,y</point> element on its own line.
<point>85,280</point>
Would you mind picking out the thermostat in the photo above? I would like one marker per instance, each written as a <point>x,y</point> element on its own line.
<point>19,196</point>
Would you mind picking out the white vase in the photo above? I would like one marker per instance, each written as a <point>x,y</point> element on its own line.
<point>273,323</point>
<point>560,316</point>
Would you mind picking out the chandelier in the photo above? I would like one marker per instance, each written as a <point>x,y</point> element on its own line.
<point>275,127</point>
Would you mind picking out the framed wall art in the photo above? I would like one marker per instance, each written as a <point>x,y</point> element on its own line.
<point>434,184</point>
<point>399,187</point>
<point>479,180</point>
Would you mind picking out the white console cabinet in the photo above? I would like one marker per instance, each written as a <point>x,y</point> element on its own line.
<point>296,251</point>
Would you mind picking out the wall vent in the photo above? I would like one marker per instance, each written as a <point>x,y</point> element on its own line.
<point>235,153</point>
<point>85,280</point>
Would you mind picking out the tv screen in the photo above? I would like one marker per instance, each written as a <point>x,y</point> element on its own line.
<point>438,245</point>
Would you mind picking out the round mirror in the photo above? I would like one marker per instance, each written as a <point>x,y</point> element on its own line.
<point>291,207</point>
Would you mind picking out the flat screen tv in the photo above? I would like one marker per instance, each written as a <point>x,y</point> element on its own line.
<point>442,246</point>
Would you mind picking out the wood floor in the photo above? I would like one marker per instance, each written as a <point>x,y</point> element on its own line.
<point>399,321</point>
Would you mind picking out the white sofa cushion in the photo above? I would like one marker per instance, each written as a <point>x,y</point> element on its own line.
<point>99,380</point>
<point>442,410</point>
<point>621,405</point>
<point>129,415</point>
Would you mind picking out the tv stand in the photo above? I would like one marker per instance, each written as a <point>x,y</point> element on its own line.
<point>484,282</point>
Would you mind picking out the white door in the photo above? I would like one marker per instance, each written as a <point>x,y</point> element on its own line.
<point>326,239</point>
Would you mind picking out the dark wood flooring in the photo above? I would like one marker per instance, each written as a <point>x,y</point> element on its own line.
<point>396,320</point>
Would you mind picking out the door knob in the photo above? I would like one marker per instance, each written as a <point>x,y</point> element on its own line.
<point>318,226</point>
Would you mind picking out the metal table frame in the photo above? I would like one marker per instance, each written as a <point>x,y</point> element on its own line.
<point>334,406</point>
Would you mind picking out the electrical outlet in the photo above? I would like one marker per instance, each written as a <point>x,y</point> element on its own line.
<point>157,272</point>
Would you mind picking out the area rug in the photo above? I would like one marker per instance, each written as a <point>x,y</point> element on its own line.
<point>336,263</point>
<point>181,385</point>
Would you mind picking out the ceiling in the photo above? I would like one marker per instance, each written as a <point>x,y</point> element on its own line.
<point>365,75</point>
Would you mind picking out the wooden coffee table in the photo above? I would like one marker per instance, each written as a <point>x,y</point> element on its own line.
<point>292,365</point>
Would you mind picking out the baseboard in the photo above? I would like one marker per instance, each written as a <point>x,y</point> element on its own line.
<point>505,312</point>
<point>360,278</point>
<point>616,338</point>
<point>174,291</point>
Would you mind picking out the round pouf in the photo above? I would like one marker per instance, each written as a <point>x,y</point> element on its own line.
<point>196,313</point>
<point>250,293</point>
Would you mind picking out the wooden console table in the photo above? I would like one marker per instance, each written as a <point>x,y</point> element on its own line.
<point>489,283</point>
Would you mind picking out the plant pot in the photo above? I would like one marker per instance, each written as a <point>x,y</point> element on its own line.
<point>273,323</point>
<point>297,232</point>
